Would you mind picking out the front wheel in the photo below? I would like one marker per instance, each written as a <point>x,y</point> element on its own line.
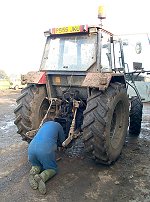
<point>105,123</point>
<point>135,116</point>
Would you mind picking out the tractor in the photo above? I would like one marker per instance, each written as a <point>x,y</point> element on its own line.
<point>82,82</point>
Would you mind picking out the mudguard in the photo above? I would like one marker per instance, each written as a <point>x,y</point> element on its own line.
<point>102,80</point>
<point>34,77</point>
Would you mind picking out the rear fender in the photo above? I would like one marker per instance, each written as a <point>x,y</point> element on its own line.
<point>34,78</point>
<point>102,80</point>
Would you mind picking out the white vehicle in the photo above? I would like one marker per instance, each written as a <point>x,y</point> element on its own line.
<point>15,83</point>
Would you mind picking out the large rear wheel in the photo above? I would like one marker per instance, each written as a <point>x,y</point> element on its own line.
<point>32,106</point>
<point>105,123</point>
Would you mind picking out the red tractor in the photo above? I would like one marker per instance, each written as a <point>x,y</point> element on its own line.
<point>82,80</point>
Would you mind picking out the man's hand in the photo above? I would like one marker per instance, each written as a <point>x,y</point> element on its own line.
<point>61,149</point>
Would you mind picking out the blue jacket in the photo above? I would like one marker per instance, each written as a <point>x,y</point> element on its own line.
<point>42,148</point>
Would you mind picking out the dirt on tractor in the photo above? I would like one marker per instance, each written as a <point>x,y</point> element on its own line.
<point>78,178</point>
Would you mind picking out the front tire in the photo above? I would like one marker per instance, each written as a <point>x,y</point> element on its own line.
<point>105,123</point>
<point>135,116</point>
<point>32,106</point>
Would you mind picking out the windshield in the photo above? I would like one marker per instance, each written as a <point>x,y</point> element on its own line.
<point>72,53</point>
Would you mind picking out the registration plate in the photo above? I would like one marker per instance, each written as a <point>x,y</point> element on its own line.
<point>69,29</point>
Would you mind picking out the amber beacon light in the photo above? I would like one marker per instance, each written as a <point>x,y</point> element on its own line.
<point>101,12</point>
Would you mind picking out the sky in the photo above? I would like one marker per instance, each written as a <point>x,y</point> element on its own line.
<point>23,22</point>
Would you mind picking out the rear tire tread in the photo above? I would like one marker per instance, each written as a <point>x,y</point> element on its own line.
<point>28,105</point>
<point>96,144</point>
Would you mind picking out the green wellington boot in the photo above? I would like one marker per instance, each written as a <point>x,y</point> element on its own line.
<point>42,178</point>
<point>34,170</point>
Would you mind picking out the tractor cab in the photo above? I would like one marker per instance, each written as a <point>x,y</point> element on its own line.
<point>80,48</point>
<point>70,48</point>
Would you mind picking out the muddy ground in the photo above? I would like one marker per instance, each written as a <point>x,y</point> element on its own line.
<point>79,179</point>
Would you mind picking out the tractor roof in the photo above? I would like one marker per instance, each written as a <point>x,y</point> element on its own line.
<point>75,29</point>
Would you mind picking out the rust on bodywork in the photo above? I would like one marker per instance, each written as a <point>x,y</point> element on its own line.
<point>101,80</point>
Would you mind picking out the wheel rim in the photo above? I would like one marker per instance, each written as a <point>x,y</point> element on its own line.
<point>117,124</point>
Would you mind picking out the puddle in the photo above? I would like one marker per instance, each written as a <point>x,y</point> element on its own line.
<point>145,126</point>
<point>144,134</point>
<point>13,105</point>
<point>145,131</point>
<point>146,113</point>
<point>146,118</point>
<point>8,125</point>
